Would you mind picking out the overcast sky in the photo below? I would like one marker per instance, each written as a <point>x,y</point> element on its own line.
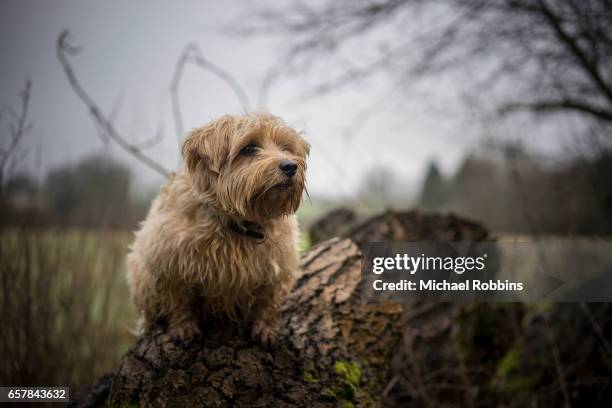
<point>129,53</point>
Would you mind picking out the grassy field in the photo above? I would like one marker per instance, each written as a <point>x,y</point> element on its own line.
<point>66,311</point>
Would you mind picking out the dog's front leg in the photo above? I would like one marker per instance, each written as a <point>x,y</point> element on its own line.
<point>183,324</point>
<point>265,323</point>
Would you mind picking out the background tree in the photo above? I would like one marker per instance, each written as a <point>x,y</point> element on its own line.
<point>536,55</point>
<point>93,193</point>
<point>434,193</point>
<point>12,149</point>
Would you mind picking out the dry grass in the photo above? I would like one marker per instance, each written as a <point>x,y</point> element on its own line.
<point>65,308</point>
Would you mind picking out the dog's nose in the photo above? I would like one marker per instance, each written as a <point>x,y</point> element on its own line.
<point>289,167</point>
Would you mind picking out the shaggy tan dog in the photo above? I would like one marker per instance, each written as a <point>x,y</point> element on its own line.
<point>220,240</point>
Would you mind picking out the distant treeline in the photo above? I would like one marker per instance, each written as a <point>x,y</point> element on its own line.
<point>95,193</point>
<point>508,189</point>
<point>513,191</point>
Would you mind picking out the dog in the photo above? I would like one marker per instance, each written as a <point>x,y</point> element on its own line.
<point>220,240</point>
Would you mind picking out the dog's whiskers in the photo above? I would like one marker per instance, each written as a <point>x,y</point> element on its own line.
<point>307,195</point>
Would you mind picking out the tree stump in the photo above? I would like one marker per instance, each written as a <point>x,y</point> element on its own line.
<point>335,223</point>
<point>416,226</point>
<point>392,225</point>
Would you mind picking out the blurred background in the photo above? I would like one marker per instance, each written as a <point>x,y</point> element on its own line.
<point>498,111</point>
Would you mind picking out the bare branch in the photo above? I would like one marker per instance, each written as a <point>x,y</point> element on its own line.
<point>113,114</point>
<point>64,50</point>
<point>17,131</point>
<point>589,64</point>
<point>153,140</point>
<point>193,54</point>
<point>518,49</point>
<point>552,106</point>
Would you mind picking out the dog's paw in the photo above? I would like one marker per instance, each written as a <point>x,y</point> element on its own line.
<point>185,332</point>
<point>265,333</point>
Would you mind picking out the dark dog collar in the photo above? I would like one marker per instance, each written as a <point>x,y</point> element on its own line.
<point>249,229</point>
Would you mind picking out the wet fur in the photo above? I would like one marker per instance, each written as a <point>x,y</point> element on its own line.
<point>185,265</point>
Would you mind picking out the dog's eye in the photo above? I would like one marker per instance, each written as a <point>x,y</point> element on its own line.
<point>248,150</point>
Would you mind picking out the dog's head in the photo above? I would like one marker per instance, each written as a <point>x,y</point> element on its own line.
<point>252,166</point>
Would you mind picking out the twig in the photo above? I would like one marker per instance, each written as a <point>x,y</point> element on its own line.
<point>389,387</point>
<point>597,329</point>
<point>64,49</point>
<point>145,144</point>
<point>555,106</point>
<point>17,131</point>
<point>193,54</point>
<point>558,366</point>
<point>153,140</point>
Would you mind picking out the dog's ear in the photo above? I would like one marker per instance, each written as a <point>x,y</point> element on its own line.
<point>208,146</point>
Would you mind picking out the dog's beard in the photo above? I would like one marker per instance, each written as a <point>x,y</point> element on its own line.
<point>283,198</point>
<point>259,197</point>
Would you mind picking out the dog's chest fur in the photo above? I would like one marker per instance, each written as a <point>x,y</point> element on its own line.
<point>185,241</point>
<point>238,260</point>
